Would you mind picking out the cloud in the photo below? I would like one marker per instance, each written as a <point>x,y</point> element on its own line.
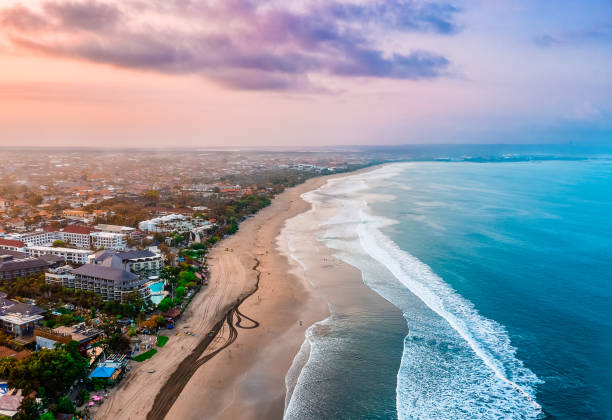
<point>596,34</point>
<point>238,43</point>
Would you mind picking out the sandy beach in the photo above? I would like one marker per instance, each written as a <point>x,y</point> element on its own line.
<point>241,373</point>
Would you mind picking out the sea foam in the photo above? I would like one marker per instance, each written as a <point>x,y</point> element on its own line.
<point>456,363</point>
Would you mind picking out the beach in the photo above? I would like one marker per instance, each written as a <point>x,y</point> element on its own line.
<point>247,378</point>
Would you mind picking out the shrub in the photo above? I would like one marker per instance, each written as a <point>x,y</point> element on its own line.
<point>146,355</point>
<point>161,340</point>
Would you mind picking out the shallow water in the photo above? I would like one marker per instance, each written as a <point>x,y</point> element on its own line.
<point>502,273</point>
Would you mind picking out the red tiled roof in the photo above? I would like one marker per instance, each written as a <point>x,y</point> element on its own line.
<point>83,230</point>
<point>19,355</point>
<point>11,242</point>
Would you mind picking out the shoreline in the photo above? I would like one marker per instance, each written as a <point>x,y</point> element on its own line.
<point>248,380</point>
<point>284,307</point>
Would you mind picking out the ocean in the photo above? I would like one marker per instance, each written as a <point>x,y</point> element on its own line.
<point>486,294</point>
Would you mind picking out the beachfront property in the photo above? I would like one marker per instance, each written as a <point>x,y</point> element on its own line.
<point>71,255</point>
<point>17,318</point>
<point>141,262</point>
<point>109,274</point>
<point>172,223</point>
<point>47,338</point>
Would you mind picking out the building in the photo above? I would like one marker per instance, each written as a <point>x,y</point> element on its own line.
<point>4,204</point>
<point>61,276</point>
<point>15,264</point>
<point>172,223</point>
<point>108,240</point>
<point>47,338</point>
<point>44,237</point>
<point>12,245</point>
<point>144,263</point>
<point>107,276</point>
<point>17,355</point>
<point>124,230</point>
<point>71,255</point>
<point>18,318</point>
<point>79,236</point>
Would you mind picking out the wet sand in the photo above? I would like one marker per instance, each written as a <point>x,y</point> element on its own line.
<point>259,305</point>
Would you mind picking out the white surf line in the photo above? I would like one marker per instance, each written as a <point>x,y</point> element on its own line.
<point>394,267</point>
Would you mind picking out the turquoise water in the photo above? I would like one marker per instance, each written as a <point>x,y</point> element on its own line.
<point>502,272</point>
<point>156,289</point>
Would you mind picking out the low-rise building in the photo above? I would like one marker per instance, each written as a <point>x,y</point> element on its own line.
<point>172,223</point>
<point>12,245</point>
<point>14,264</point>
<point>71,255</point>
<point>77,235</point>
<point>124,230</point>
<point>108,240</point>
<point>18,318</point>
<point>47,338</point>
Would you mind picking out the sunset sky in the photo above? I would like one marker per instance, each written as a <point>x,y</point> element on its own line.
<point>307,73</point>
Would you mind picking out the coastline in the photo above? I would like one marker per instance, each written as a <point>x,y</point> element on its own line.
<point>247,379</point>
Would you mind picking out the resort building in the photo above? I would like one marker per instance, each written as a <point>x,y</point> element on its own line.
<point>14,264</point>
<point>79,236</point>
<point>145,263</point>
<point>12,245</point>
<point>172,223</point>
<point>108,240</point>
<point>108,275</point>
<point>71,255</point>
<point>18,318</point>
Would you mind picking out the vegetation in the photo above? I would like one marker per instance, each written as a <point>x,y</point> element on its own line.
<point>46,294</point>
<point>161,340</point>
<point>48,372</point>
<point>144,356</point>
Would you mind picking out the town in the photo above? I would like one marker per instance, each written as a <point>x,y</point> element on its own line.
<point>101,252</point>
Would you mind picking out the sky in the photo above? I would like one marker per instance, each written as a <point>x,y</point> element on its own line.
<point>210,73</point>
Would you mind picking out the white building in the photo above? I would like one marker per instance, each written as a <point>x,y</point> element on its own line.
<point>18,318</point>
<point>107,275</point>
<point>71,255</point>
<point>108,240</point>
<point>124,230</point>
<point>172,223</point>
<point>76,235</point>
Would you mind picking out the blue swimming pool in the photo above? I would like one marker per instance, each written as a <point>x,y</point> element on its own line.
<point>157,292</point>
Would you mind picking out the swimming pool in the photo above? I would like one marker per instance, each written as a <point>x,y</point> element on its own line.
<point>157,292</point>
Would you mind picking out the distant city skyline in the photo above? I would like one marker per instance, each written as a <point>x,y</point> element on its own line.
<point>236,73</point>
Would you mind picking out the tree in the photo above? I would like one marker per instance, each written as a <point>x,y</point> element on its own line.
<point>152,195</point>
<point>165,304</point>
<point>64,405</point>
<point>180,292</point>
<point>186,277</point>
<point>55,370</point>
<point>29,409</point>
